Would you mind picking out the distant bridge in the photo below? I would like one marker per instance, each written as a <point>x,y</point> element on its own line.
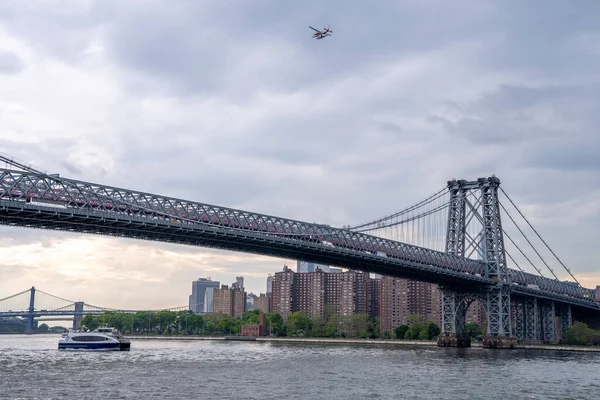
<point>454,238</point>
<point>31,304</point>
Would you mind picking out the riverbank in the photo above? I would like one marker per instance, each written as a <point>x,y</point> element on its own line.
<point>412,343</point>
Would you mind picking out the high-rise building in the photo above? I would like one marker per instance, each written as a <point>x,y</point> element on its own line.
<point>402,297</point>
<point>250,301</point>
<point>239,283</point>
<point>228,301</point>
<point>208,299</point>
<point>309,293</point>
<point>283,283</point>
<point>197,299</point>
<point>347,292</point>
<point>223,300</point>
<point>597,292</point>
<point>239,303</point>
<point>314,292</point>
<point>263,303</point>
<point>306,266</point>
<point>476,313</point>
<point>374,297</point>
<point>394,310</point>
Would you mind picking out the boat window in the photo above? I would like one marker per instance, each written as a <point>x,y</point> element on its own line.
<point>88,338</point>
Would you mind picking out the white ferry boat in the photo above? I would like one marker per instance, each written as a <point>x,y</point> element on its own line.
<point>99,339</point>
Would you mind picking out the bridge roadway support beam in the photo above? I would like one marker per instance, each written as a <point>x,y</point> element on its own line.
<point>498,312</point>
<point>549,322</point>
<point>519,321</point>
<point>532,321</point>
<point>566,319</point>
<point>29,329</point>
<point>454,310</point>
<point>78,315</point>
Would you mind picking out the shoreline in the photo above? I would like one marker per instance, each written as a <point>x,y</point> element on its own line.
<point>390,342</point>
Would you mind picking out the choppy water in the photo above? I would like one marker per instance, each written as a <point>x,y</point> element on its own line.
<point>31,367</point>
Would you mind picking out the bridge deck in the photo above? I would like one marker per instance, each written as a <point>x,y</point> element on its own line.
<point>49,202</point>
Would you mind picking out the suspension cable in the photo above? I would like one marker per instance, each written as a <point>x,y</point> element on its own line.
<point>513,260</point>
<point>524,255</point>
<point>431,198</point>
<point>410,219</point>
<point>527,239</point>
<point>538,235</point>
<point>15,295</point>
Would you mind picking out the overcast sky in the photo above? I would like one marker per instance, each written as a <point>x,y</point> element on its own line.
<point>232,103</point>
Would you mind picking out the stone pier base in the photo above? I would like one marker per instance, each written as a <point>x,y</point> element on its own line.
<point>453,341</point>
<point>499,342</point>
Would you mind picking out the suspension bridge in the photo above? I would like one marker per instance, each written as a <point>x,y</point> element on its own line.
<point>454,238</point>
<point>35,305</point>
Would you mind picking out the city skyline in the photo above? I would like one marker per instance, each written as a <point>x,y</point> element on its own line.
<point>240,107</point>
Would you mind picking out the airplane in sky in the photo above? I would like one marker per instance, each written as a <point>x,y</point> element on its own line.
<point>321,34</point>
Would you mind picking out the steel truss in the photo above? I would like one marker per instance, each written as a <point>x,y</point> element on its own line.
<point>566,319</point>
<point>39,200</point>
<point>532,320</point>
<point>549,321</point>
<point>519,320</point>
<point>454,310</point>
<point>477,202</point>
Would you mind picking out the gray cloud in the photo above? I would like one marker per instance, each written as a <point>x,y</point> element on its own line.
<point>232,103</point>
<point>10,63</point>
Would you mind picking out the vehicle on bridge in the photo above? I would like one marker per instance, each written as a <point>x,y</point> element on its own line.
<point>99,339</point>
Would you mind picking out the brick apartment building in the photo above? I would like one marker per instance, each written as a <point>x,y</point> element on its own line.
<point>231,302</point>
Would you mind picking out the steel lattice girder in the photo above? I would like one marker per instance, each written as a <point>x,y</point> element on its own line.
<point>498,311</point>
<point>566,319</point>
<point>532,320</point>
<point>455,238</point>
<point>549,321</point>
<point>519,321</point>
<point>135,214</point>
<point>454,310</point>
<point>17,186</point>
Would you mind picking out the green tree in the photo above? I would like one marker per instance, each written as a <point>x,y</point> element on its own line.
<point>275,324</point>
<point>473,330</point>
<point>298,324</point>
<point>433,331</point>
<point>374,330</point>
<point>580,334</point>
<point>43,328</point>
<point>251,317</point>
<point>90,322</point>
<point>400,331</point>
<point>228,325</point>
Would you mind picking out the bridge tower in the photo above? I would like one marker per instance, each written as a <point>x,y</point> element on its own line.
<point>29,329</point>
<point>78,315</point>
<point>475,230</point>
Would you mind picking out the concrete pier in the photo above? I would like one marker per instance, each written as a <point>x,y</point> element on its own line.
<point>499,342</point>
<point>453,341</point>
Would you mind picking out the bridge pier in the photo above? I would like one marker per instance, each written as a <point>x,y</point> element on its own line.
<point>454,310</point>
<point>519,321</point>
<point>532,321</point>
<point>30,322</point>
<point>566,319</point>
<point>78,315</point>
<point>548,322</point>
<point>498,312</point>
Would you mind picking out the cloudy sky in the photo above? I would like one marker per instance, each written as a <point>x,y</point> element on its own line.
<point>232,103</point>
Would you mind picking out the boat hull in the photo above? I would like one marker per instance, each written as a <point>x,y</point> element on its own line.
<point>90,346</point>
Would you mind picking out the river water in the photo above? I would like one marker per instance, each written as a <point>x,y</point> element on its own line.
<point>31,367</point>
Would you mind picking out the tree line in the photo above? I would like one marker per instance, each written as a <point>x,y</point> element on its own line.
<point>297,324</point>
